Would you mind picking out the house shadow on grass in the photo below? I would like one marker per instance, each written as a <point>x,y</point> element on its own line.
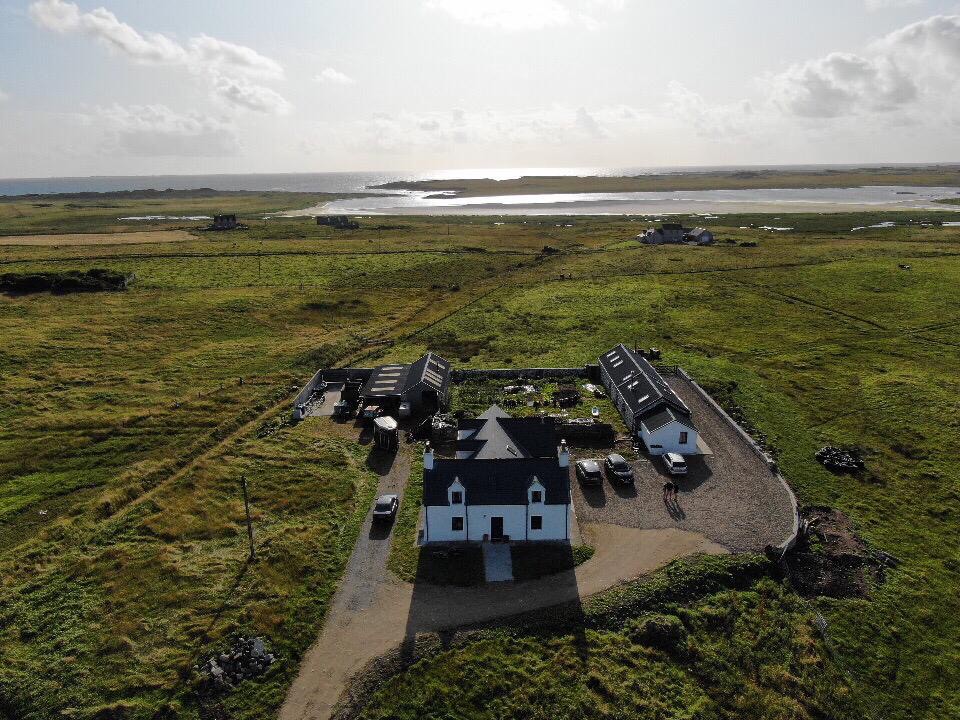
<point>451,600</point>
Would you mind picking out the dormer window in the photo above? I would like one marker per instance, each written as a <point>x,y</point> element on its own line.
<point>536,496</point>
<point>456,497</point>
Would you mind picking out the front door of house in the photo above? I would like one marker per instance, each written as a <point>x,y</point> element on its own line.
<point>496,528</point>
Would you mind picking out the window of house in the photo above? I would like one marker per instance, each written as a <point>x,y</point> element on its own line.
<point>536,496</point>
<point>536,522</point>
<point>456,497</point>
<point>456,524</point>
<point>683,438</point>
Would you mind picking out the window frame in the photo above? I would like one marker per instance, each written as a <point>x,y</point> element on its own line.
<point>536,496</point>
<point>456,497</point>
<point>536,520</point>
<point>454,522</point>
<point>684,437</point>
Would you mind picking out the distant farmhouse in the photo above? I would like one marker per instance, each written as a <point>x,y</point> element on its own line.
<point>401,390</point>
<point>338,222</point>
<point>510,480</point>
<point>649,407</point>
<point>224,222</point>
<point>674,233</point>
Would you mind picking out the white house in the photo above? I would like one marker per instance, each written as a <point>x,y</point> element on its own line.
<point>509,481</point>
<point>650,408</point>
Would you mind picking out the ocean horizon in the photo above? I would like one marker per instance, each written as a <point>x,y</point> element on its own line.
<point>361,181</point>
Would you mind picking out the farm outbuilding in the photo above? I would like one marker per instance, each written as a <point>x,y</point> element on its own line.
<point>650,408</point>
<point>422,387</point>
<point>700,236</point>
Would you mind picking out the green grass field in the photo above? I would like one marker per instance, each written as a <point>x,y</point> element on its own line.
<point>124,429</point>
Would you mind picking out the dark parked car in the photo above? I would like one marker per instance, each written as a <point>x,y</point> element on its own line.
<point>589,473</point>
<point>618,469</point>
<point>386,507</point>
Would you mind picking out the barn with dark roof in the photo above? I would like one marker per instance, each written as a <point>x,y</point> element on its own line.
<point>425,385</point>
<point>650,408</point>
<point>510,480</point>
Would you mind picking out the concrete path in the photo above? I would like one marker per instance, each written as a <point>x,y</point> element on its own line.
<point>497,562</point>
<point>358,630</point>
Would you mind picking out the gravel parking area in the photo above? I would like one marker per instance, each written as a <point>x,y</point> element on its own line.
<point>730,497</point>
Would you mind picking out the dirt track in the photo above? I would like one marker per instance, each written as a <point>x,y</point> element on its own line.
<point>392,611</point>
<point>120,238</point>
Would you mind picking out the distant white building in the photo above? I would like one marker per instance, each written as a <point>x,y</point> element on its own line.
<point>510,480</point>
<point>700,236</point>
<point>650,408</point>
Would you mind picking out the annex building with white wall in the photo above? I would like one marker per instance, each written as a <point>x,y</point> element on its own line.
<point>650,408</point>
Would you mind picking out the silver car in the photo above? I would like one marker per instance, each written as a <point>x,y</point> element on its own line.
<point>675,463</point>
<point>386,507</point>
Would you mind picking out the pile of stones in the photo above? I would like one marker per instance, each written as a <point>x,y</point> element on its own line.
<point>247,658</point>
<point>839,460</point>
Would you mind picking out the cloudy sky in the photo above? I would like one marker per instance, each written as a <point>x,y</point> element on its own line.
<point>130,87</point>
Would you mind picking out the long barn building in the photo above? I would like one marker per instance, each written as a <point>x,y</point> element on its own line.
<point>650,408</point>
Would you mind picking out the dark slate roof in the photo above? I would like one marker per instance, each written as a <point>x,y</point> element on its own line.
<point>497,435</point>
<point>664,415</point>
<point>497,482</point>
<point>431,370</point>
<point>386,381</point>
<point>642,387</point>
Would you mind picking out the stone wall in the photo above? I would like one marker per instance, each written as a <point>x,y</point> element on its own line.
<point>517,374</point>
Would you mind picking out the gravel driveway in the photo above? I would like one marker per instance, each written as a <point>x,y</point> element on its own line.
<point>730,497</point>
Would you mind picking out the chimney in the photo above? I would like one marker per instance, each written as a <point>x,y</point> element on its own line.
<point>428,457</point>
<point>564,454</point>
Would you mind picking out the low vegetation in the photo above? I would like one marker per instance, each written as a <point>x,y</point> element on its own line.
<point>127,418</point>
<point>61,283</point>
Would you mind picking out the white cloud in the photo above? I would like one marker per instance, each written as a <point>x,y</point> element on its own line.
<point>158,131</point>
<point>589,125</point>
<point>238,92</point>
<point>3,96</point>
<point>843,84</point>
<point>224,65</point>
<point>719,122</point>
<point>331,76</point>
<point>907,69</point>
<point>223,56</point>
<point>519,15</point>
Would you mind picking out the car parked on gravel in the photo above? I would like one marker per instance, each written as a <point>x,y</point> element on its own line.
<point>589,473</point>
<point>386,507</point>
<point>675,463</point>
<point>618,469</point>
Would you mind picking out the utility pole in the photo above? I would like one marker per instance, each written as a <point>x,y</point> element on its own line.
<point>246,506</point>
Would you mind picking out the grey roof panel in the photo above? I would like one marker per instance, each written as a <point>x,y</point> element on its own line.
<point>497,482</point>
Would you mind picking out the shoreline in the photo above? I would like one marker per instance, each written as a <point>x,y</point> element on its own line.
<point>761,179</point>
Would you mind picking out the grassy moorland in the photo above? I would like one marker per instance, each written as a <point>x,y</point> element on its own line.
<point>928,176</point>
<point>124,429</point>
<point>112,212</point>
